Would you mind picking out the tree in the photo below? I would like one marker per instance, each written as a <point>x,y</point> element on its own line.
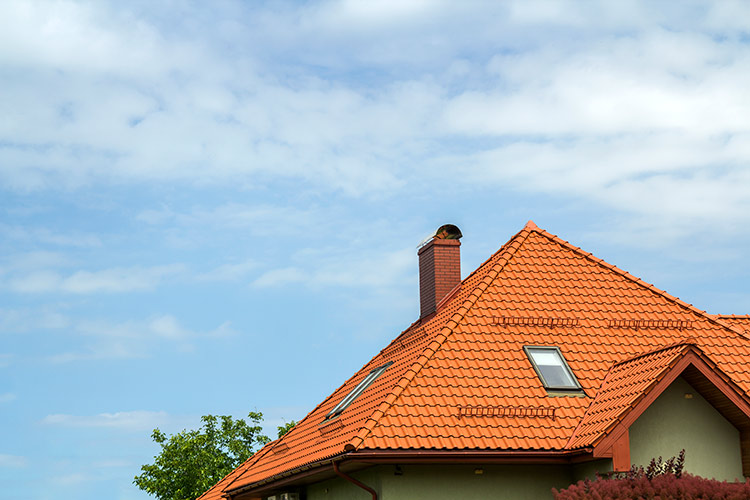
<point>190,462</point>
<point>283,429</point>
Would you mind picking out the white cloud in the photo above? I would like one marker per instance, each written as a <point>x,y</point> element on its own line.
<point>229,272</point>
<point>280,277</point>
<point>7,397</point>
<point>135,339</point>
<point>113,280</point>
<point>24,320</point>
<point>166,326</point>
<point>72,479</point>
<point>327,267</point>
<point>112,349</point>
<point>5,359</point>
<point>125,420</point>
<point>13,461</point>
<point>609,91</point>
<point>46,236</point>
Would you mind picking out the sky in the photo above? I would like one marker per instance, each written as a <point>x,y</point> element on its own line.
<point>214,207</point>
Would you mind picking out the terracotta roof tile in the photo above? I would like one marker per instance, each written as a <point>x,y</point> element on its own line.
<point>741,321</point>
<point>536,290</point>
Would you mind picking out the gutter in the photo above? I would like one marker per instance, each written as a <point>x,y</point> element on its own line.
<point>428,456</point>
<point>354,481</point>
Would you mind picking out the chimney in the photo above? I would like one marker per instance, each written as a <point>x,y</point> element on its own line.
<point>439,267</point>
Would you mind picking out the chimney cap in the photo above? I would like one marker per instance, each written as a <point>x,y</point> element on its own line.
<point>444,232</point>
<point>448,232</point>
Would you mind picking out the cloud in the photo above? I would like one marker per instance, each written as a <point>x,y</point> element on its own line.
<point>45,236</point>
<point>127,420</point>
<point>229,272</point>
<point>509,91</point>
<point>113,280</point>
<point>73,479</point>
<point>13,461</point>
<point>7,397</point>
<point>135,339</point>
<point>328,267</point>
<point>280,277</point>
<point>24,320</point>
<point>5,359</point>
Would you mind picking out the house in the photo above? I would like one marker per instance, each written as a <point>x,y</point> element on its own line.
<point>542,367</point>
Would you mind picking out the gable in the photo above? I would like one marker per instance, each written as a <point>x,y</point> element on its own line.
<point>680,418</point>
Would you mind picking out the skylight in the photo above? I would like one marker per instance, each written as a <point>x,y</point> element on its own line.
<point>357,391</point>
<point>552,369</point>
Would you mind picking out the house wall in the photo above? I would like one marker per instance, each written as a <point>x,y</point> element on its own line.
<point>672,422</point>
<point>449,482</point>
<point>588,470</point>
<point>339,489</point>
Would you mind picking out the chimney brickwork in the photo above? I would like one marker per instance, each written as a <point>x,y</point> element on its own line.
<point>439,272</point>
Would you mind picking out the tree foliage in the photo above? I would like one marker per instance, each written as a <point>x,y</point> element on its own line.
<point>190,462</point>
<point>283,429</point>
<point>660,480</point>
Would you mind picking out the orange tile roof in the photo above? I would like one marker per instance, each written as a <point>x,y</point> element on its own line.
<point>741,321</point>
<point>216,492</point>
<point>460,379</point>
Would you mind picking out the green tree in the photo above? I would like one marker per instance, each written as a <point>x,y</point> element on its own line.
<point>283,429</point>
<point>190,462</point>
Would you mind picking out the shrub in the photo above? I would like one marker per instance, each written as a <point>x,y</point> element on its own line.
<point>661,480</point>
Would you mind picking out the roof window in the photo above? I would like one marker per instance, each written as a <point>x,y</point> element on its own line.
<point>357,391</point>
<point>552,368</point>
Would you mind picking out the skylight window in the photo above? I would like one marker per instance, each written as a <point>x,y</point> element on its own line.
<point>552,369</point>
<point>357,391</point>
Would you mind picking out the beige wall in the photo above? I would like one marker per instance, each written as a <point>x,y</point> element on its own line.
<point>672,422</point>
<point>339,489</point>
<point>446,482</point>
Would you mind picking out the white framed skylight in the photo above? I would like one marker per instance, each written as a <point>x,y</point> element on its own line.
<point>357,391</point>
<point>553,370</point>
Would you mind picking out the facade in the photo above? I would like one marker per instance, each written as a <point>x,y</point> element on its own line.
<point>542,367</point>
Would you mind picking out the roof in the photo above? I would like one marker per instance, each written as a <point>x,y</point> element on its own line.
<point>460,380</point>
<point>740,321</point>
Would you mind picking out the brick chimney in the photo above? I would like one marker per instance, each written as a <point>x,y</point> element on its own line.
<point>439,267</point>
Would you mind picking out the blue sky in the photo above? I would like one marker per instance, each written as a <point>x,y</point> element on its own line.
<point>214,207</point>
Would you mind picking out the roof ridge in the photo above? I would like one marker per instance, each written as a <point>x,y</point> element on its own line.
<point>510,249</point>
<point>687,342</point>
<point>658,291</point>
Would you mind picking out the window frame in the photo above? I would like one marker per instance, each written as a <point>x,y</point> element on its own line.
<point>358,390</point>
<point>528,350</point>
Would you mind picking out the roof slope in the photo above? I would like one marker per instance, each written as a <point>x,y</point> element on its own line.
<point>461,380</point>
<point>741,321</point>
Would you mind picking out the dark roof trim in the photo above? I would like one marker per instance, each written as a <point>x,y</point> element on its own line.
<point>373,457</point>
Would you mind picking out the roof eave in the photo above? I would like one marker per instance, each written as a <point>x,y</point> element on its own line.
<point>367,457</point>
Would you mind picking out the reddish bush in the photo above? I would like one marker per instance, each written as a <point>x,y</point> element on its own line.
<point>659,481</point>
